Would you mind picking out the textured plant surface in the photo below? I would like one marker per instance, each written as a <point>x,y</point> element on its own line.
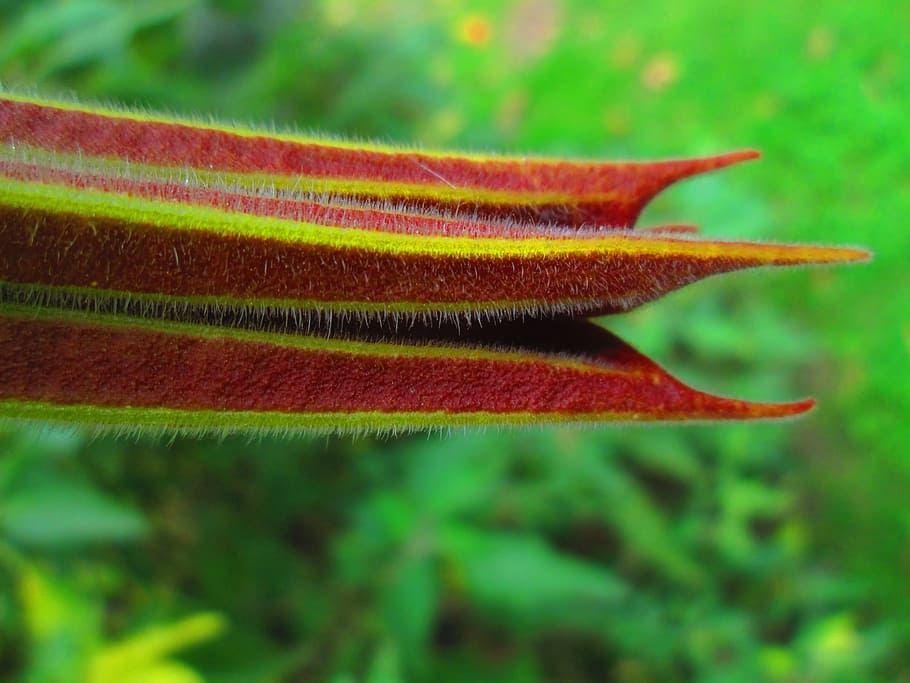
<point>101,208</point>
<point>731,552</point>
<point>570,193</point>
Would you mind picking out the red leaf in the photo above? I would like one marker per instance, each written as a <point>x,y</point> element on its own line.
<point>116,371</point>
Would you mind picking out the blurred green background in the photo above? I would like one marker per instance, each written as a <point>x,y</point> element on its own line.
<point>712,553</point>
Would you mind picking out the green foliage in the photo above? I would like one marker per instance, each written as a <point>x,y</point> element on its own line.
<point>712,553</point>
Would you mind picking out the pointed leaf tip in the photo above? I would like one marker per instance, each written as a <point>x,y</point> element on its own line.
<point>721,408</point>
<point>114,370</point>
<point>678,169</point>
<point>821,255</point>
<point>653,177</point>
<point>781,410</point>
<point>855,254</point>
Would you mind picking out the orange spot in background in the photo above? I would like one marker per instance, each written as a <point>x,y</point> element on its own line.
<point>660,72</point>
<point>475,29</point>
<point>531,28</point>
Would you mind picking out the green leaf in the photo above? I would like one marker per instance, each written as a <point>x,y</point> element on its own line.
<point>63,627</point>
<point>631,512</point>
<point>140,658</point>
<point>458,474</point>
<point>162,672</point>
<point>67,514</point>
<point>518,577</point>
<point>409,608</point>
<point>385,667</point>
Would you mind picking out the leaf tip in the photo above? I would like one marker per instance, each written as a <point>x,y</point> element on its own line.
<point>686,168</point>
<point>732,409</point>
<point>791,409</point>
<point>825,254</point>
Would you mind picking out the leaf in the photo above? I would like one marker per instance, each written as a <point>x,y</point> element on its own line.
<point>69,242</point>
<point>161,672</point>
<point>572,193</point>
<point>165,218</point>
<point>457,476</point>
<point>44,25</point>
<point>385,667</point>
<point>67,514</point>
<point>23,449</point>
<point>63,627</point>
<point>141,657</point>
<point>119,371</point>
<point>409,608</point>
<point>517,577</point>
